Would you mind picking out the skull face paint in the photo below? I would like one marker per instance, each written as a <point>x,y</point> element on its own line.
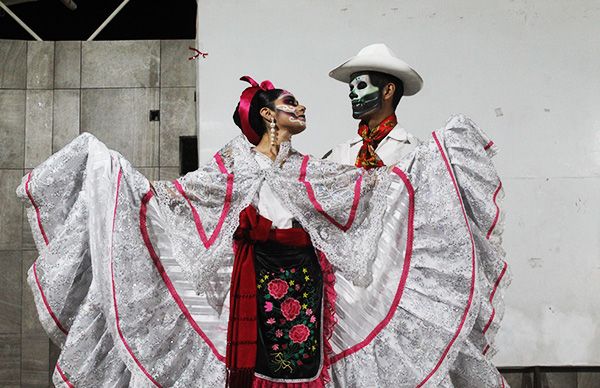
<point>365,96</point>
<point>290,109</point>
<point>291,113</point>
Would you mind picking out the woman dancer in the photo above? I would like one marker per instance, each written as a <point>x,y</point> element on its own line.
<point>276,245</point>
<point>275,331</point>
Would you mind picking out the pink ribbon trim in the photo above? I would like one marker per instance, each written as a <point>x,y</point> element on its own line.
<point>496,284</point>
<point>64,377</point>
<point>45,300</point>
<point>470,300</point>
<point>403,277</point>
<point>208,242</point>
<point>37,209</point>
<point>165,277</point>
<point>313,199</point>
<point>37,280</point>
<point>495,221</point>
<point>114,294</point>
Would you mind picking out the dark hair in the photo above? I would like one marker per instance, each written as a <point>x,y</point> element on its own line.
<point>381,79</point>
<point>262,98</point>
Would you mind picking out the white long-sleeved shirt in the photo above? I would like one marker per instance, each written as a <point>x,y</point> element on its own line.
<point>267,204</point>
<point>395,146</point>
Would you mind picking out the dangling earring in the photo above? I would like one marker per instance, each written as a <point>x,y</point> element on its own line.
<point>272,132</point>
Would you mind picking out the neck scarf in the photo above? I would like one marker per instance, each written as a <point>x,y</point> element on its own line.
<point>367,157</point>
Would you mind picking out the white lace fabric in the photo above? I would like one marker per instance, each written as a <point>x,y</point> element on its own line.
<point>133,281</point>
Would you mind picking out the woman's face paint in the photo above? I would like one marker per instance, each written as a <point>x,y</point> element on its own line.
<point>291,115</point>
<point>365,96</point>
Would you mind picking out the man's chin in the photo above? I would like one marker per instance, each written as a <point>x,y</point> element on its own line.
<point>364,114</point>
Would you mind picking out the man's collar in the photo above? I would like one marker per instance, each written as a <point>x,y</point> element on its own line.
<point>398,134</point>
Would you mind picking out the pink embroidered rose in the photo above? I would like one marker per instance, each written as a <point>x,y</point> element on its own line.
<point>268,307</point>
<point>290,308</point>
<point>312,319</point>
<point>275,347</point>
<point>299,333</point>
<point>278,288</point>
<point>278,333</point>
<point>270,321</point>
<point>309,312</point>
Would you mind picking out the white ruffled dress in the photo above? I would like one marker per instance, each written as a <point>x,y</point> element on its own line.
<point>132,278</point>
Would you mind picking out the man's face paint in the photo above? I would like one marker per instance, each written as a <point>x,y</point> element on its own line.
<point>365,96</point>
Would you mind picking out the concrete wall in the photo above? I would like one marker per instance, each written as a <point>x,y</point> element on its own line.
<point>49,93</point>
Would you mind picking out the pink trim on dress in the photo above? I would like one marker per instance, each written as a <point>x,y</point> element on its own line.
<point>39,285</point>
<point>401,283</point>
<point>495,221</point>
<point>64,377</point>
<point>114,294</point>
<point>329,314</point>
<point>37,280</point>
<point>226,205</point>
<point>469,302</point>
<point>501,380</point>
<point>498,280</point>
<point>487,326</point>
<point>317,205</point>
<point>161,270</point>
<point>489,233</point>
<point>485,350</point>
<point>37,209</point>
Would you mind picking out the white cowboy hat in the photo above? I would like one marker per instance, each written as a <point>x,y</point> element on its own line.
<point>378,57</point>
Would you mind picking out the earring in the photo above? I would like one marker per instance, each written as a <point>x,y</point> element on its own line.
<point>272,131</point>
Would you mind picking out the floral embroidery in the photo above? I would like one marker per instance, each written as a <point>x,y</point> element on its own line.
<point>299,333</point>
<point>268,307</point>
<point>290,309</point>
<point>290,301</point>
<point>278,288</point>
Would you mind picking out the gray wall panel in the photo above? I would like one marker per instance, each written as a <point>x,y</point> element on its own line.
<point>12,128</point>
<point>67,62</point>
<point>117,64</point>
<point>13,64</point>
<point>40,65</point>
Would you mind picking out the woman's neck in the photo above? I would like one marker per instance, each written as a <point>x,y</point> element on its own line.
<point>271,150</point>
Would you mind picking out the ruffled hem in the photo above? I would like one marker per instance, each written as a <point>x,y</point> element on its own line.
<point>262,383</point>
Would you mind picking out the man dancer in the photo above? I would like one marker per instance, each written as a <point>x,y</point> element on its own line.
<point>377,80</point>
